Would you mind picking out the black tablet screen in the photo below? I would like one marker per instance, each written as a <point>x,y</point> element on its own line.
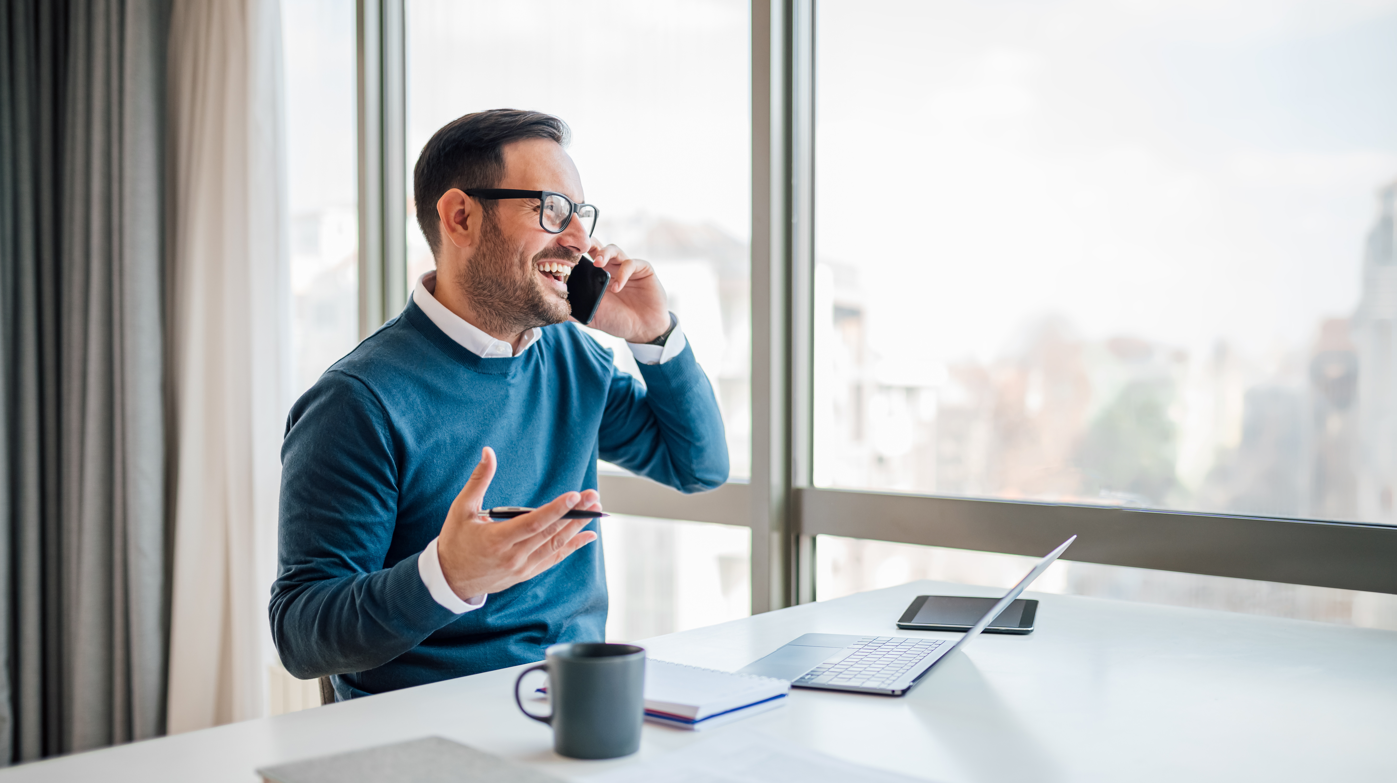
<point>954,610</point>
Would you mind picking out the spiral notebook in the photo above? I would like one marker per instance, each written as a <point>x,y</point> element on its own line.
<point>691,697</point>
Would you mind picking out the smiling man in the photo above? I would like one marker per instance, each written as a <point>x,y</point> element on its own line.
<point>480,394</point>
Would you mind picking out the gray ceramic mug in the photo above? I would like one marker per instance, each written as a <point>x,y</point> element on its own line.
<point>598,697</point>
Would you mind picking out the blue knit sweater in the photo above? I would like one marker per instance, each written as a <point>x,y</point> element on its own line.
<point>379,447</point>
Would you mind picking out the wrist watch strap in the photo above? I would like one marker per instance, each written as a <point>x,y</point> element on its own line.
<point>662,339</point>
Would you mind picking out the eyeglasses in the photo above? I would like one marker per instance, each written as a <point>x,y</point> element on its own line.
<point>556,212</point>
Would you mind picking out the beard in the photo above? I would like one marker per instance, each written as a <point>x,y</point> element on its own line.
<point>504,288</point>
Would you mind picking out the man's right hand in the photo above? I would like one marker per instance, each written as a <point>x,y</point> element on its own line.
<point>480,556</point>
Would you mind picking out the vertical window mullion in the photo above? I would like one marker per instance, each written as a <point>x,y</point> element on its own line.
<point>770,297</point>
<point>381,109</point>
<point>801,280</point>
<point>782,208</point>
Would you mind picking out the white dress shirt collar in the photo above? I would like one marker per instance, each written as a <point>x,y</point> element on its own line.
<point>465,334</point>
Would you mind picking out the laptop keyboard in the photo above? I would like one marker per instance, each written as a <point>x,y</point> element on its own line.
<point>871,662</point>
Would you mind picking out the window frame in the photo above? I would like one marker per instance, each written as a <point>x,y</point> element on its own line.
<point>381,109</point>
<point>779,504</point>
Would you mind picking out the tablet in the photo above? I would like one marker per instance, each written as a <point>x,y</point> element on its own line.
<point>959,613</point>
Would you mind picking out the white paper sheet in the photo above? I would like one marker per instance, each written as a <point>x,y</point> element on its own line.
<point>746,757</point>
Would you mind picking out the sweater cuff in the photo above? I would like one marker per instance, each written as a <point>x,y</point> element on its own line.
<point>429,568</point>
<point>677,374</point>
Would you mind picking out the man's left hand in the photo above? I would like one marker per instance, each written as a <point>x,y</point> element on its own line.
<point>635,307</point>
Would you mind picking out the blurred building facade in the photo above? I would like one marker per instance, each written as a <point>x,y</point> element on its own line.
<point>1306,432</point>
<point>1376,347</point>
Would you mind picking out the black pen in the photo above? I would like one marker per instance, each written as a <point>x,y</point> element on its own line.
<point>510,512</point>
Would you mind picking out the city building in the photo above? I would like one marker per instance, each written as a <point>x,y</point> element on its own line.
<point>1375,336</point>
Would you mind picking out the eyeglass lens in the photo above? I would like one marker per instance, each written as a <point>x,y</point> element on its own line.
<point>557,208</point>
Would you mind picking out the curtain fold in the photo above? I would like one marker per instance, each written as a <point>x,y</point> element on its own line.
<point>143,289</point>
<point>83,580</point>
<point>231,364</point>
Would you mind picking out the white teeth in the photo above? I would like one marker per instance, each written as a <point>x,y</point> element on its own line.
<point>562,270</point>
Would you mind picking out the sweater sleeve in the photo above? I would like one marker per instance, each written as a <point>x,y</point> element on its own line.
<point>668,429</point>
<point>334,607</point>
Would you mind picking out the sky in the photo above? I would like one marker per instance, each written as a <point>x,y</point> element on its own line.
<point>1186,172</point>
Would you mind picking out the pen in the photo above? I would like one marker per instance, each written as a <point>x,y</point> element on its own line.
<point>510,512</point>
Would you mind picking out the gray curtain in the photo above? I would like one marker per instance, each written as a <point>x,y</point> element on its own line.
<point>83,541</point>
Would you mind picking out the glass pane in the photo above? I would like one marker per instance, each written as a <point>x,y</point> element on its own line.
<point>318,56</point>
<point>555,209</point>
<point>318,52</point>
<point>1119,254</point>
<point>665,576</point>
<point>844,566</point>
<point>659,110</point>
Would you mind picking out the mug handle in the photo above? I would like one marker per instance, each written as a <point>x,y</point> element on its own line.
<point>540,718</point>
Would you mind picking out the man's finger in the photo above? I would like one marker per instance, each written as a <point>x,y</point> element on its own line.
<point>526,526</point>
<point>544,539</point>
<point>622,275</point>
<point>546,557</point>
<point>601,256</point>
<point>591,500</point>
<point>472,495</point>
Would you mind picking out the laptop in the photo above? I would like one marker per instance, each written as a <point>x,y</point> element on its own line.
<point>886,665</point>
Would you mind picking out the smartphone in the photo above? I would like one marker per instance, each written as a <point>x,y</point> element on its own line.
<point>586,286</point>
<point>959,613</point>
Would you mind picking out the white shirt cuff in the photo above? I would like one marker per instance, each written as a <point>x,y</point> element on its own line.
<point>659,354</point>
<point>429,568</point>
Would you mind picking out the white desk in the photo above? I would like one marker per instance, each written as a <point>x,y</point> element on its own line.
<point>1102,691</point>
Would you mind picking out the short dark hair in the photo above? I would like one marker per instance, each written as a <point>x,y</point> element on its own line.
<point>468,153</point>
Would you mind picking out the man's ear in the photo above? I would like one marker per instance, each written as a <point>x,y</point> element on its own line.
<point>459,218</point>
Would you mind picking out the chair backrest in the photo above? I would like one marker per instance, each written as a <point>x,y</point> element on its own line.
<point>327,692</point>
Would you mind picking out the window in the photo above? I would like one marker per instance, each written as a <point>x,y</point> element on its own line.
<point>1125,255</point>
<point>665,575</point>
<point>1069,261</point>
<point>318,56</point>
<point>647,86</point>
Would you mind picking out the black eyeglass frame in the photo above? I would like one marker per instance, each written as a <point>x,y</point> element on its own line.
<point>496,194</point>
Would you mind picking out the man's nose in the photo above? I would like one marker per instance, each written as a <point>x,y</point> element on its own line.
<point>574,237</point>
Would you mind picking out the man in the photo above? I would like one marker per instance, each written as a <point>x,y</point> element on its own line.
<point>389,576</point>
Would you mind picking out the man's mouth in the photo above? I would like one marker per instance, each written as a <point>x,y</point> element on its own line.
<point>557,272</point>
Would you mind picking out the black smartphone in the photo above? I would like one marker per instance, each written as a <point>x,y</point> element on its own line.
<point>586,286</point>
<point>959,613</point>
